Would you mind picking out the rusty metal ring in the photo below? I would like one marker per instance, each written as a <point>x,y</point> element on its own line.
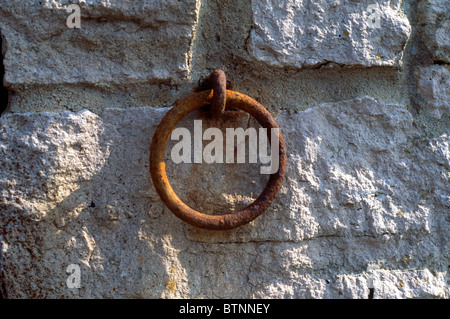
<point>158,167</point>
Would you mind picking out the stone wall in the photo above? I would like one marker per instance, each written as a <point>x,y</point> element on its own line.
<point>360,90</point>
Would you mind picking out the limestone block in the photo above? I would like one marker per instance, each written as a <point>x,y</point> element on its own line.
<point>433,85</point>
<point>433,17</point>
<point>363,210</point>
<point>118,41</point>
<point>302,33</point>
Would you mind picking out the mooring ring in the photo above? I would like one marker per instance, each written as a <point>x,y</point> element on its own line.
<point>219,86</point>
<point>158,167</point>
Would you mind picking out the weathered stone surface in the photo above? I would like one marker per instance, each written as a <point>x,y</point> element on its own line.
<point>307,33</point>
<point>119,41</point>
<point>433,16</point>
<point>364,206</point>
<point>433,85</point>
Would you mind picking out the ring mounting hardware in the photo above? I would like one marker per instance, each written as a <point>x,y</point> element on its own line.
<point>158,167</point>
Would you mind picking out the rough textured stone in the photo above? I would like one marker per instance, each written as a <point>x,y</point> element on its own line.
<point>119,41</point>
<point>433,16</point>
<point>308,33</point>
<point>112,67</point>
<point>364,206</point>
<point>433,85</point>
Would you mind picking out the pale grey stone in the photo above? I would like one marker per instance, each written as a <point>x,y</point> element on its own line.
<point>435,25</point>
<point>364,206</point>
<point>286,278</point>
<point>118,42</point>
<point>433,85</point>
<point>296,33</point>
